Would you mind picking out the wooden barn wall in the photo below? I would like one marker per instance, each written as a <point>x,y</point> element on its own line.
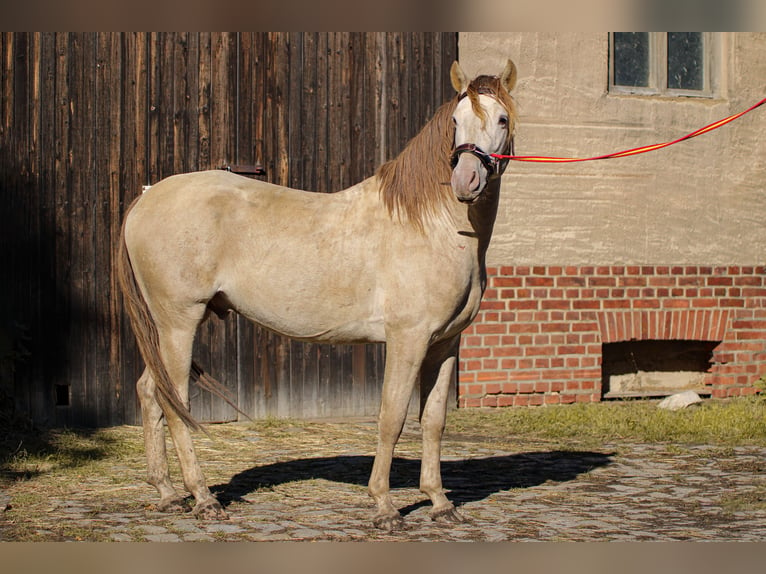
<point>87,119</point>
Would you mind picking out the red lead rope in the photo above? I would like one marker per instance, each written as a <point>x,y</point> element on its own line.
<point>629,152</point>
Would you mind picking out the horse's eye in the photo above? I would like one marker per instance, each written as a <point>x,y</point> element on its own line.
<point>503,121</point>
<point>454,121</point>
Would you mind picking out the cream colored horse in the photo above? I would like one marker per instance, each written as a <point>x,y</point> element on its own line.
<point>397,258</point>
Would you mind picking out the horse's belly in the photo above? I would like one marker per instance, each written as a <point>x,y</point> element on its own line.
<point>315,319</point>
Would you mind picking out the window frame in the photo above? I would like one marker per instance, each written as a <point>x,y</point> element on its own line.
<point>658,69</point>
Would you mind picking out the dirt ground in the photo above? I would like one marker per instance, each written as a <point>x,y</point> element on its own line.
<point>307,481</point>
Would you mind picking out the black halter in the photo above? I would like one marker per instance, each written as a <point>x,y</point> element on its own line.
<point>491,163</point>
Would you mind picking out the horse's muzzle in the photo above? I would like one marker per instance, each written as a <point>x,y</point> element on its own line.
<point>490,163</point>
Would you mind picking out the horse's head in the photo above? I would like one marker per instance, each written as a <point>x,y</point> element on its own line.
<point>484,120</point>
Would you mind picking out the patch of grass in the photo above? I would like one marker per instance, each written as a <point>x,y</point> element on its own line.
<point>748,500</point>
<point>24,455</point>
<point>726,422</point>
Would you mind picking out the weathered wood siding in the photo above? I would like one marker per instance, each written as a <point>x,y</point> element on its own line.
<point>87,119</point>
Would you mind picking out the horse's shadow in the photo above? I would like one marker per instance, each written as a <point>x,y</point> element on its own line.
<point>466,480</point>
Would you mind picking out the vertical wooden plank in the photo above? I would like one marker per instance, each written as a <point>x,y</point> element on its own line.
<point>243,154</point>
<point>321,110</point>
<point>223,143</point>
<point>281,65</point>
<point>201,401</point>
<point>106,231</point>
<point>181,101</point>
<point>14,237</point>
<point>80,185</point>
<point>294,116</point>
<point>133,173</point>
<point>45,338</point>
<point>59,338</point>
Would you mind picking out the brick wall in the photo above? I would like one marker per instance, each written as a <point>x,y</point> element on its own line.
<point>538,337</point>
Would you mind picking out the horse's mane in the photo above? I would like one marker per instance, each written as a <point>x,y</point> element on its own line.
<point>415,184</point>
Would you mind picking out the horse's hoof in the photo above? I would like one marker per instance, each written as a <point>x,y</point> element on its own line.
<point>173,505</point>
<point>448,515</point>
<point>210,510</point>
<point>388,522</point>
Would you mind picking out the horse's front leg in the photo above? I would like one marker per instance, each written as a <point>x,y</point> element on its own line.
<point>435,377</point>
<point>403,360</point>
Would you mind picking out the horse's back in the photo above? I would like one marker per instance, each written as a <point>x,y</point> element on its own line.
<point>301,263</point>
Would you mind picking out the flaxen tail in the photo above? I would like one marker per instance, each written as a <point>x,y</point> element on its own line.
<point>146,334</point>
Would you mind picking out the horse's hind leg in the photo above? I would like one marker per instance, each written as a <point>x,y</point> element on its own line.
<point>176,346</point>
<point>154,443</point>
<point>435,376</point>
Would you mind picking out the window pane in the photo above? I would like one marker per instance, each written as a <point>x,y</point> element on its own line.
<point>685,70</point>
<point>631,59</point>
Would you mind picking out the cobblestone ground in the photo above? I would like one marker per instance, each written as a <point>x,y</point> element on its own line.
<point>307,481</point>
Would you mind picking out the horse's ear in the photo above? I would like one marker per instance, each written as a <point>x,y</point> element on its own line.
<point>458,78</point>
<point>508,77</point>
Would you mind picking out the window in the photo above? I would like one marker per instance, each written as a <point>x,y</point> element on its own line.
<point>667,63</point>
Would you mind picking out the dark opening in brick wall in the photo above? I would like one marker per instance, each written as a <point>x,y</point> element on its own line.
<point>655,367</point>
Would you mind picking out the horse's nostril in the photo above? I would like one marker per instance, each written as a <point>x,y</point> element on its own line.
<point>475,181</point>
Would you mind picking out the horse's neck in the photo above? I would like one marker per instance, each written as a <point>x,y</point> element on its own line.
<point>482,214</point>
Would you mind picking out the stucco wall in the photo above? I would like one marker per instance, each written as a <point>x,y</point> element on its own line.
<point>699,202</point>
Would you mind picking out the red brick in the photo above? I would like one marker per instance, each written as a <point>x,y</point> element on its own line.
<point>492,388</point>
<point>602,282</point>
<point>540,350</point>
<point>491,328</point>
<point>571,350</point>
<point>585,304</point>
<point>490,401</point>
<point>750,292</point>
<point>522,304</point>
<point>556,304</point>
<point>646,304</point>
<point>505,401</point>
<point>616,304</point>
<point>632,281</point>
<point>754,281</point>
<point>520,375</point>
<point>571,281</point>
<point>491,376</point>
<point>475,352</point>
<point>538,281</point>
<point>507,281</point>
<point>516,351</point>
<point>555,327</point>
<point>676,304</point>
<point>475,389</point>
